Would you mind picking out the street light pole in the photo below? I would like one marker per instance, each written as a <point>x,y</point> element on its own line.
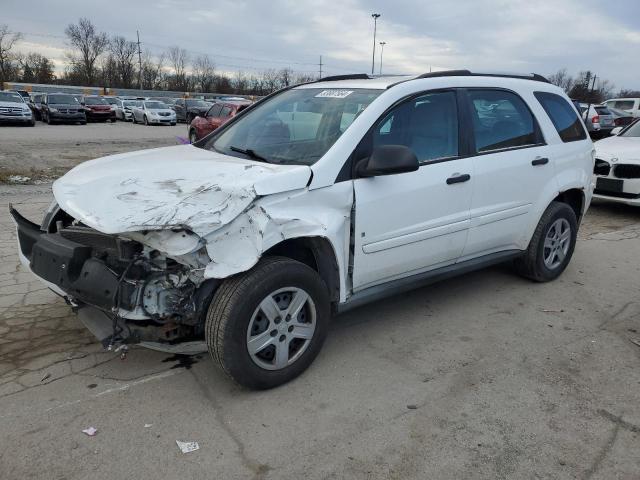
<point>382,44</point>
<point>373,56</point>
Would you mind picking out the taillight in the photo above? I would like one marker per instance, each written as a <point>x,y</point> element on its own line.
<point>595,119</point>
<point>617,122</point>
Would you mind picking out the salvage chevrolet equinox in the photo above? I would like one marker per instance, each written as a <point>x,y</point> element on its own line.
<point>316,199</point>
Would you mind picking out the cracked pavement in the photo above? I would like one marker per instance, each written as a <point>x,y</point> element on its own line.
<point>504,378</point>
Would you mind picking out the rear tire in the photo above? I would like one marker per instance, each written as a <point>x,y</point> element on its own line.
<point>250,311</point>
<point>193,137</point>
<point>551,246</point>
<point>145,120</point>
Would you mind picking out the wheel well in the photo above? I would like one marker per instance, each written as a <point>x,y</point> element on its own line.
<point>575,199</point>
<point>315,252</point>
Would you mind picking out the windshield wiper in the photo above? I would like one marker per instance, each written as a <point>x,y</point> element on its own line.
<point>249,153</point>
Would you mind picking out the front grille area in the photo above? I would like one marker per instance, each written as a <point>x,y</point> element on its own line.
<point>164,114</point>
<point>91,238</point>
<point>601,167</point>
<point>626,170</point>
<point>11,110</point>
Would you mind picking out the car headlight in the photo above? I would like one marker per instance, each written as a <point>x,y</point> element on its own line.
<point>53,110</point>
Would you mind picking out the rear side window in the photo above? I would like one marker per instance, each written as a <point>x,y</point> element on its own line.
<point>501,120</point>
<point>624,104</point>
<point>226,111</point>
<point>563,117</point>
<point>603,111</point>
<point>214,111</point>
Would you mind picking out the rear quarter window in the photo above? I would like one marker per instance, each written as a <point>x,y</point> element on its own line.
<point>563,116</point>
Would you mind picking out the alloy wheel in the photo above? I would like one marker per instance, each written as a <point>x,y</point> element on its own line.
<point>557,243</point>
<point>281,328</point>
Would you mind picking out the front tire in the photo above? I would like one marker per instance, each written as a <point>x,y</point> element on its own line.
<point>145,120</point>
<point>551,246</point>
<point>264,327</point>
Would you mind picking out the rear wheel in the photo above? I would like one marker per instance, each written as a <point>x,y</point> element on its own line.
<point>145,120</point>
<point>193,137</point>
<point>264,327</point>
<point>552,244</point>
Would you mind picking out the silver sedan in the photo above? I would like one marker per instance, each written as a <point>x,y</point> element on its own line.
<point>152,112</point>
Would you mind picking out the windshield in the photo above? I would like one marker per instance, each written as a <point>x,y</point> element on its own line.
<point>295,126</point>
<point>94,101</point>
<point>62,99</point>
<point>155,105</point>
<point>130,103</point>
<point>11,97</point>
<point>633,130</point>
<point>197,103</point>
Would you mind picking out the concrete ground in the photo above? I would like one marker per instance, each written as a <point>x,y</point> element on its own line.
<point>484,376</point>
<point>47,151</point>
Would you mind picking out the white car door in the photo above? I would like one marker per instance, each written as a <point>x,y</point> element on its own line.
<point>412,222</point>
<point>512,168</point>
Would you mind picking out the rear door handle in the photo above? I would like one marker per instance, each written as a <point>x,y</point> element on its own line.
<point>540,161</point>
<point>458,179</point>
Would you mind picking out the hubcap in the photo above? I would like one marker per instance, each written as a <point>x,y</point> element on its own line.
<point>281,328</point>
<point>556,243</point>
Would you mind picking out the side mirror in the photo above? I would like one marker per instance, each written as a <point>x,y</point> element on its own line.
<point>616,131</point>
<point>388,160</point>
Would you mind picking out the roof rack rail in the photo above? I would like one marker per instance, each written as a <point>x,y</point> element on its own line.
<point>469,73</point>
<point>349,76</point>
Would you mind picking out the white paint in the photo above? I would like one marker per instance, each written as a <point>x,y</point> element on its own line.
<point>616,150</point>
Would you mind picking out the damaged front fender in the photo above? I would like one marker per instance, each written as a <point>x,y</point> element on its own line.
<point>324,213</point>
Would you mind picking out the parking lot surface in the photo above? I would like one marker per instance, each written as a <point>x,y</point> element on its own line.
<point>483,376</point>
<point>50,150</point>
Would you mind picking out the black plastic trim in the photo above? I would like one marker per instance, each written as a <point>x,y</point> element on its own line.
<point>401,285</point>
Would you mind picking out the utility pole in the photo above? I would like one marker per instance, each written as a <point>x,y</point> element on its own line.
<point>320,65</point>
<point>382,44</point>
<point>139,62</point>
<point>373,55</point>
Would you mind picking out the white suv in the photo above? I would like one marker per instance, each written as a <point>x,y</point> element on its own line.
<point>631,105</point>
<point>316,199</point>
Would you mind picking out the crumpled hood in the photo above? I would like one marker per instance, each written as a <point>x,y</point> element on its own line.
<point>622,148</point>
<point>171,187</point>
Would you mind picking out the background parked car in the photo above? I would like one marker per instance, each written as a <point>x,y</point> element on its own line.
<point>599,120</point>
<point>153,112</point>
<point>620,117</point>
<point>112,101</point>
<point>190,108</point>
<point>168,101</point>
<point>631,105</point>
<point>218,114</point>
<point>36,105</point>
<point>123,109</point>
<point>13,109</point>
<point>62,107</point>
<point>98,109</point>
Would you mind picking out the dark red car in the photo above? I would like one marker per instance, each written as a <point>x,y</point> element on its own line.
<point>98,109</point>
<point>219,113</point>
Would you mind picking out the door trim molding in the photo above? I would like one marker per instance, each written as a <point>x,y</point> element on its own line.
<point>412,282</point>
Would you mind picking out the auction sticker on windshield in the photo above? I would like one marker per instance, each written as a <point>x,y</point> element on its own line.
<point>334,93</point>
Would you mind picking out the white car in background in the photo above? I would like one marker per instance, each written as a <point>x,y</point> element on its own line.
<point>617,167</point>
<point>631,105</point>
<point>153,112</point>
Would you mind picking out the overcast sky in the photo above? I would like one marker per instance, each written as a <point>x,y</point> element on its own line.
<point>539,36</point>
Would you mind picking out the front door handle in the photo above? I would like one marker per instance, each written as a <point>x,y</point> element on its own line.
<point>540,161</point>
<point>458,179</point>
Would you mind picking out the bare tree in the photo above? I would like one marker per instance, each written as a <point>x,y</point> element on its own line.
<point>90,44</point>
<point>204,73</point>
<point>153,74</point>
<point>123,52</point>
<point>562,79</point>
<point>7,58</point>
<point>178,59</point>
<point>36,68</point>
<point>625,93</point>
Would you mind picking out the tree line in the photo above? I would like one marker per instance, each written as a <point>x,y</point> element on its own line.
<point>588,87</point>
<point>96,59</point>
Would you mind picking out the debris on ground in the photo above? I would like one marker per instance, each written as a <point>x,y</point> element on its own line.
<point>18,179</point>
<point>412,407</point>
<point>548,310</point>
<point>46,375</point>
<point>91,431</point>
<point>148,425</point>
<point>635,341</point>
<point>186,447</point>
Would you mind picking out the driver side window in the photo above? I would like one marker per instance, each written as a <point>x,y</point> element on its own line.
<point>427,124</point>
